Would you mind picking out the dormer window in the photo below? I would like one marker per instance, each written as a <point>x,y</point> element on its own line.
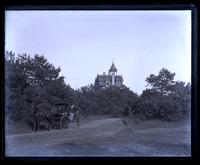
<point>107,82</point>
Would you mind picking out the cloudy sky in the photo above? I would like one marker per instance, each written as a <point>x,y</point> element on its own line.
<point>84,43</point>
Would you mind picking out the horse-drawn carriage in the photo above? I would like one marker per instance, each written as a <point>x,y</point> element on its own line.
<point>60,117</point>
<point>65,115</point>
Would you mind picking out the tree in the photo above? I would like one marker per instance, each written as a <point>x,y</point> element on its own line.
<point>163,82</point>
<point>31,82</point>
<point>8,91</point>
<point>181,95</point>
<point>15,83</point>
<point>167,99</point>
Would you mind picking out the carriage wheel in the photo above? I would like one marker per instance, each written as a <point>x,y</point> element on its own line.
<point>64,122</point>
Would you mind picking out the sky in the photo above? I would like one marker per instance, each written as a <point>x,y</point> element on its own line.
<point>85,43</point>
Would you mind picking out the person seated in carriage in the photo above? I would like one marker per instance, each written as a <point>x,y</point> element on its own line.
<point>74,109</point>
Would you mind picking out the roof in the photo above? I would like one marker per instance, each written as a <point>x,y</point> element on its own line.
<point>109,78</point>
<point>118,78</point>
<point>113,68</point>
<point>104,77</point>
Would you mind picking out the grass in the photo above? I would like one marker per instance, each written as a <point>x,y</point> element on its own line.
<point>16,128</point>
<point>136,137</point>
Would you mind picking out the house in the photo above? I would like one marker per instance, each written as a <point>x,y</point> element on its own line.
<point>110,79</point>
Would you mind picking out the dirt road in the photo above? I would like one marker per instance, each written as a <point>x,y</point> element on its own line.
<point>102,137</point>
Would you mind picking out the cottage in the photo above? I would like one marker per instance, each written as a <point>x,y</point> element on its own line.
<point>110,79</point>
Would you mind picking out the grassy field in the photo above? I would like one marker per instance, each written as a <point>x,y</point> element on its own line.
<point>104,136</point>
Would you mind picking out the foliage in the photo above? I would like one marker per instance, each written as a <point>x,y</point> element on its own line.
<point>30,83</point>
<point>163,82</point>
<point>167,99</point>
<point>33,86</point>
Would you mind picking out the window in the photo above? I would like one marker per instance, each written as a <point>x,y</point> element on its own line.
<point>107,82</point>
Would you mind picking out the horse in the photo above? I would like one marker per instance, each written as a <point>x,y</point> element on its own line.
<point>40,123</point>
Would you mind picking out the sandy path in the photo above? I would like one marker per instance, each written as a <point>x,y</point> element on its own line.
<point>101,127</point>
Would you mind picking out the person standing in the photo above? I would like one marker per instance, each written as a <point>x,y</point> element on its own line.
<point>75,112</point>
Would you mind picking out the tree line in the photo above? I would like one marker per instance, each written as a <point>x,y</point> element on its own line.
<point>33,85</point>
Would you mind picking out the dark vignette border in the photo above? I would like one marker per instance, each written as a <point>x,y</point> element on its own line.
<point>153,6</point>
